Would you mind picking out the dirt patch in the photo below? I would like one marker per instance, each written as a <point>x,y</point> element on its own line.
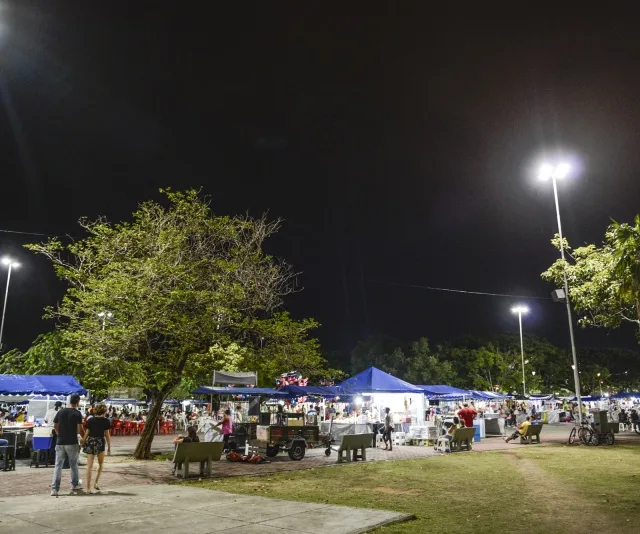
<point>393,491</point>
<point>549,493</point>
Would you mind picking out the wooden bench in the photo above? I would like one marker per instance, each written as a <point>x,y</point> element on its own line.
<point>203,453</point>
<point>355,443</point>
<point>530,434</point>
<point>462,439</point>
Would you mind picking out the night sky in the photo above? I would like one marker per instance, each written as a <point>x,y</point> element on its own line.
<point>399,145</point>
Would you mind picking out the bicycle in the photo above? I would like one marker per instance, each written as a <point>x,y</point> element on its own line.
<point>584,433</point>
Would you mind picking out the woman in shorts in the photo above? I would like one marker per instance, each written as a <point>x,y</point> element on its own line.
<point>96,439</point>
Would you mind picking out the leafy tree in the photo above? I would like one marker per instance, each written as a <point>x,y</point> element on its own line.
<point>604,281</point>
<point>186,292</point>
<point>425,366</point>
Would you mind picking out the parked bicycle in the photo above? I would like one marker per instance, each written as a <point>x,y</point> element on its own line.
<point>585,433</point>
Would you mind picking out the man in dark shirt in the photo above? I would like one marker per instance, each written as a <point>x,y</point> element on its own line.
<point>67,424</point>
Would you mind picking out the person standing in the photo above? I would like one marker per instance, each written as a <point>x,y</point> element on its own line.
<point>388,428</point>
<point>97,438</point>
<point>67,424</point>
<point>467,414</point>
<point>227,428</point>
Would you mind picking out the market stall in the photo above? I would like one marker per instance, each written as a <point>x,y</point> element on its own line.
<point>29,386</point>
<point>373,391</point>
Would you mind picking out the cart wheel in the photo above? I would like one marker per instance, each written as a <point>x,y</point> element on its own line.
<point>610,438</point>
<point>595,439</point>
<point>297,450</point>
<point>272,452</point>
<point>327,451</point>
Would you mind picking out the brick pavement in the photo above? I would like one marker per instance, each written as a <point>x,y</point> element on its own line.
<point>123,470</point>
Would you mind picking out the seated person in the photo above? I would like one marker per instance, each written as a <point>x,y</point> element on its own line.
<point>453,428</point>
<point>520,429</point>
<point>191,437</point>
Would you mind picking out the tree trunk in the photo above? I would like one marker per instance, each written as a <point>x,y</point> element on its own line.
<point>143,449</point>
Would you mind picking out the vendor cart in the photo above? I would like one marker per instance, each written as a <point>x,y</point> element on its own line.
<point>294,438</point>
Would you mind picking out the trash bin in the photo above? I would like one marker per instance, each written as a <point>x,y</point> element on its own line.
<point>476,434</point>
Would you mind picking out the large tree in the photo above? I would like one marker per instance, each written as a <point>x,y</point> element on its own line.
<point>171,295</point>
<point>604,281</point>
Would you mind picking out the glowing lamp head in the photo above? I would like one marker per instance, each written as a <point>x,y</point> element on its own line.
<point>520,309</point>
<point>7,261</point>
<point>546,171</point>
<point>558,171</point>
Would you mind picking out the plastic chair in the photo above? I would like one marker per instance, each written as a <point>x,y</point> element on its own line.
<point>444,444</point>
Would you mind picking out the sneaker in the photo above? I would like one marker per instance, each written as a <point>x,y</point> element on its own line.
<point>77,488</point>
<point>54,493</point>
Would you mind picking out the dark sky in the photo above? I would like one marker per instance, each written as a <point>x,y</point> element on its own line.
<point>397,143</point>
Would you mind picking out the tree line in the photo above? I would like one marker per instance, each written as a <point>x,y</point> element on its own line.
<point>495,364</point>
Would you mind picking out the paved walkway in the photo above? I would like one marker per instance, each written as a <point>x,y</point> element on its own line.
<point>173,509</point>
<point>123,470</point>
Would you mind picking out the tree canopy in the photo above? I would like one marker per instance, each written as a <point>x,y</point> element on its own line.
<point>172,295</point>
<point>604,280</point>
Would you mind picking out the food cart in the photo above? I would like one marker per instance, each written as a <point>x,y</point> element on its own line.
<point>292,434</point>
<point>280,431</point>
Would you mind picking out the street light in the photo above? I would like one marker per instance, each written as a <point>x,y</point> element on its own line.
<point>104,316</point>
<point>520,310</point>
<point>555,173</point>
<point>7,262</point>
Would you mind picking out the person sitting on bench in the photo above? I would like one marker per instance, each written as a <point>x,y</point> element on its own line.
<point>453,428</point>
<point>191,437</point>
<point>520,430</point>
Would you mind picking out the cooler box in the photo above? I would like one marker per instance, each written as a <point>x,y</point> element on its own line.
<point>476,435</point>
<point>41,443</point>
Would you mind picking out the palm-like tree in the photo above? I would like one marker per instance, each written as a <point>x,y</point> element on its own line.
<point>625,240</point>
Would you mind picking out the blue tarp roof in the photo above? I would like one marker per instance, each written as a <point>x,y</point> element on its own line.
<point>374,380</point>
<point>626,394</point>
<point>208,390</point>
<point>40,385</point>
<point>313,391</point>
<point>443,389</point>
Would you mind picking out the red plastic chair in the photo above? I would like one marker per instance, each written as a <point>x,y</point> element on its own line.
<point>164,427</point>
<point>118,428</point>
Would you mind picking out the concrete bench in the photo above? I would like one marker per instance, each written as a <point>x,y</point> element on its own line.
<point>462,438</point>
<point>355,443</point>
<point>203,453</point>
<point>531,434</point>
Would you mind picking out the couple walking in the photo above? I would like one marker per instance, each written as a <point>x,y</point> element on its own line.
<point>94,440</point>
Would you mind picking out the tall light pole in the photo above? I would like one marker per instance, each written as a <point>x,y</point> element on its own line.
<point>555,173</point>
<point>104,316</point>
<point>7,262</point>
<point>520,310</point>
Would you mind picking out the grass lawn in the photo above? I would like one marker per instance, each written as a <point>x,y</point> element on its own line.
<point>551,489</point>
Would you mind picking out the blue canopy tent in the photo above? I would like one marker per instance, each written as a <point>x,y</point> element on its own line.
<point>443,389</point>
<point>313,391</point>
<point>626,394</point>
<point>374,380</point>
<point>40,385</point>
<point>208,390</point>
